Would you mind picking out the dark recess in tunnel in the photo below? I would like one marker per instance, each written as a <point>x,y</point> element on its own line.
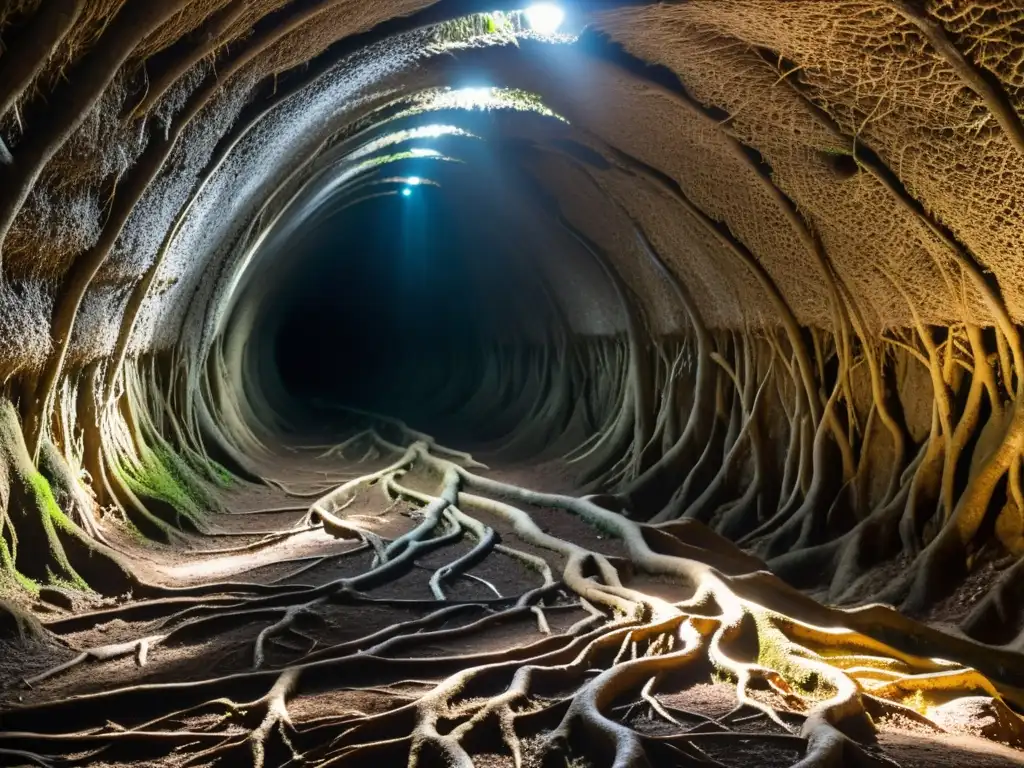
<point>391,304</point>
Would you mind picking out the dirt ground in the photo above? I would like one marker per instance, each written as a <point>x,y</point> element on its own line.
<point>261,539</point>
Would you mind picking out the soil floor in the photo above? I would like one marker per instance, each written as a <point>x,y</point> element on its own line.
<point>256,540</point>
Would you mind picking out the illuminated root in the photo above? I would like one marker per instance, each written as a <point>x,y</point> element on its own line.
<point>138,648</point>
<point>823,675</point>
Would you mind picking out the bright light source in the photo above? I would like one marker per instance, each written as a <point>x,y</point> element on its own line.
<point>545,18</point>
<point>474,95</point>
<point>414,181</point>
<point>406,192</point>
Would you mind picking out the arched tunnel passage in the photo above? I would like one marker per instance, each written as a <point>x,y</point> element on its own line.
<point>404,294</point>
<point>600,383</point>
<point>397,293</point>
<point>364,294</point>
<point>391,300</point>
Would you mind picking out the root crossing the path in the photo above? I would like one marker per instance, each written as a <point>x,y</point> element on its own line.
<point>473,621</point>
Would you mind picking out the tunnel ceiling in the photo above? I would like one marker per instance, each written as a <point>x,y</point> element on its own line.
<point>859,152</point>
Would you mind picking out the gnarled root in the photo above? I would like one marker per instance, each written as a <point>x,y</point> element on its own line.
<point>816,672</point>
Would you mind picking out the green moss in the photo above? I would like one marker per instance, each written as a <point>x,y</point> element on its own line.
<point>221,475</point>
<point>196,487</point>
<point>477,29</point>
<point>132,530</point>
<point>164,475</point>
<point>774,652</point>
<point>56,580</point>
<point>154,479</point>
<point>46,501</point>
<point>54,519</point>
<point>7,563</point>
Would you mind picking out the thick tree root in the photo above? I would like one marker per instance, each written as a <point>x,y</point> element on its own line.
<point>821,674</point>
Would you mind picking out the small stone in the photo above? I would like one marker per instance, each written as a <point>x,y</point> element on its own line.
<point>56,597</point>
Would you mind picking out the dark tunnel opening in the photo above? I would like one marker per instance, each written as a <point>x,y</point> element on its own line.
<point>414,291</point>
<point>388,299</point>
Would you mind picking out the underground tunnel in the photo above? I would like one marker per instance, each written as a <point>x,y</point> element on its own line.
<point>590,383</point>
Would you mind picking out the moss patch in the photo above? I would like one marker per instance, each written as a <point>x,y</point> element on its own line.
<point>188,478</point>
<point>163,474</point>
<point>775,652</point>
<point>917,702</point>
<point>206,469</point>
<point>152,478</point>
<point>53,520</point>
<point>9,569</point>
<point>223,475</point>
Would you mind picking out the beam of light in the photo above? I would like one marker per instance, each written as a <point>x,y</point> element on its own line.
<point>405,179</point>
<point>406,192</point>
<point>545,18</point>
<point>476,98</point>
<point>410,134</point>
<point>297,209</point>
<point>539,20</point>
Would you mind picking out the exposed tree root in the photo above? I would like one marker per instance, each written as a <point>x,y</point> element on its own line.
<point>820,674</point>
